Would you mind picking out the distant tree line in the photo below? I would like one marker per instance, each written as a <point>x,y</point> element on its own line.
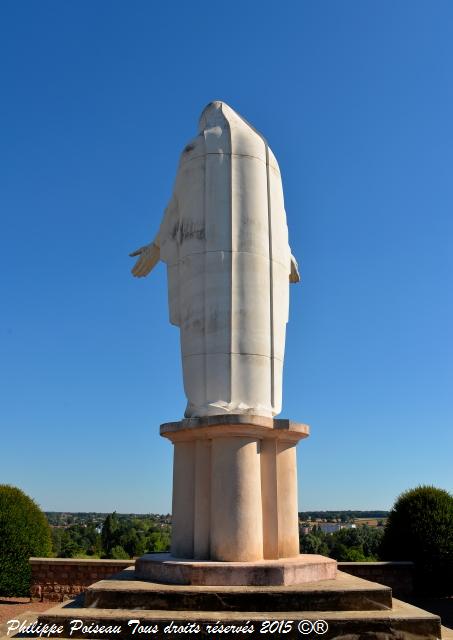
<point>117,537</point>
<point>419,528</point>
<point>362,544</point>
<point>65,518</point>
<point>343,516</point>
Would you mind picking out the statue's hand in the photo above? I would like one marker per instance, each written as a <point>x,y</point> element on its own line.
<point>149,257</point>
<point>294,275</point>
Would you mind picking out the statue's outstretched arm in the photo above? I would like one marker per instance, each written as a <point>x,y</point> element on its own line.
<point>149,256</point>
<point>294,275</point>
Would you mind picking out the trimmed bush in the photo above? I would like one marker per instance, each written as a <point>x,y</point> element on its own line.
<point>420,528</point>
<point>24,532</point>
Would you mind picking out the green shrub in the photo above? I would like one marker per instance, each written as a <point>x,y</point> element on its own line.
<point>420,528</point>
<point>24,532</point>
<point>118,553</point>
<point>313,543</point>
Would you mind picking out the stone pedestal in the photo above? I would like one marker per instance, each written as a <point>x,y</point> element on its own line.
<point>303,568</point>
<point>347,607</point>
<point>234,488</point>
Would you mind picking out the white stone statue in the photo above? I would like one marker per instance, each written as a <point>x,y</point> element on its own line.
<point>224,239</point>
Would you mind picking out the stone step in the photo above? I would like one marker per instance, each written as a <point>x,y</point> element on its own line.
<point>402,622</point>
<point>345,593</point>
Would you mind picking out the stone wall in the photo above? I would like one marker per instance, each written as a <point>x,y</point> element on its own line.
<point>58,579</point>
<point>399,576</point>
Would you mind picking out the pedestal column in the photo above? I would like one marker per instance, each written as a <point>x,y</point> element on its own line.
<point>288,517</point>
<point>235,488</point>
<point>183,499</point>
<point>202,500</point>
<point>236,509</point>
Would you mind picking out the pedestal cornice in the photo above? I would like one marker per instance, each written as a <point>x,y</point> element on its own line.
<point>241,425</point>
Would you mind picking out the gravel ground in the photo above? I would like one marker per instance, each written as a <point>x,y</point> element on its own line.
<point>10,608</point>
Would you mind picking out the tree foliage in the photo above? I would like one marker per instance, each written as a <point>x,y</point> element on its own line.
<point>109,533</point>
<point>346,545</point>
<point>121,537</point>
<point>77,541</point>
<point>24,532</point>
<point>312,543</point>
<point>343,516</point>
<point>128,538</point>
<point>420,528</point>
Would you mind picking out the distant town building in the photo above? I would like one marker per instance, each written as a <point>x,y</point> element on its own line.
<point>331,527</point>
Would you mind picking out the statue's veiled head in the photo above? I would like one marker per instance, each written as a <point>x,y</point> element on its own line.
<point>217,113</point>
<point>212,115</point>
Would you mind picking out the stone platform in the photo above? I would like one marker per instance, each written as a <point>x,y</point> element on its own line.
<point>345,593</point>
<point>346,607</point>
<point>162,567</point>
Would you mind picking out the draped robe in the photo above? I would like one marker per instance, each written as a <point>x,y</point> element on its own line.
<point>224,239</point>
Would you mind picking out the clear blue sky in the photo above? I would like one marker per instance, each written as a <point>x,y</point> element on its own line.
<point>97,101</point>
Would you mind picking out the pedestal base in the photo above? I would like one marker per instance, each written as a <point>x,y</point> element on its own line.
<point>162,567</point>
<point>348,607</point>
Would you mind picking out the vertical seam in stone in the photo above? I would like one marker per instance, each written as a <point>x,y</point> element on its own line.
<point>211,510</point>
<point>271,283</point>
<point>277,496</point>
<point>193,498</point>
<point>230,364</point>
<point>208,542</point>
<point>205,356</point>
<point>277,523</point>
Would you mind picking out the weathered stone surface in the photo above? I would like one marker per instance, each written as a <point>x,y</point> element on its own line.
<point>353,609</point>
<point>285,571</point>
<point>403,622</point>
<point>343,593</point>
<point>224,239</point>
<point>235,488</point>
<point>397,575</point>
<point>83,572</point>
<point>58,579</point>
